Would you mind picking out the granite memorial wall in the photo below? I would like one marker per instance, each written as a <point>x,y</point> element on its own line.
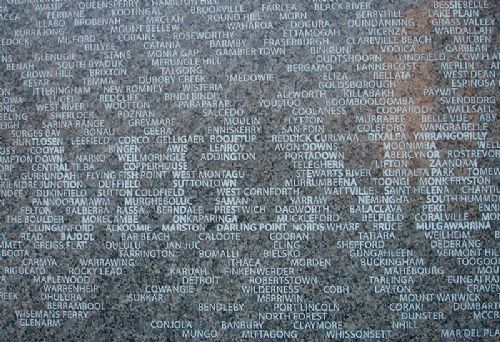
<point>244,170</point>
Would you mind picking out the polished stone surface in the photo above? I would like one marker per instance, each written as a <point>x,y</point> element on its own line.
<point>244,170</point>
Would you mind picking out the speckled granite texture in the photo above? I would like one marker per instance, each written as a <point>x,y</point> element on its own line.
<point>187,170</point>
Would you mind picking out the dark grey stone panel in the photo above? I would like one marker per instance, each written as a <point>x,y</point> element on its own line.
<point>244,170</point>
